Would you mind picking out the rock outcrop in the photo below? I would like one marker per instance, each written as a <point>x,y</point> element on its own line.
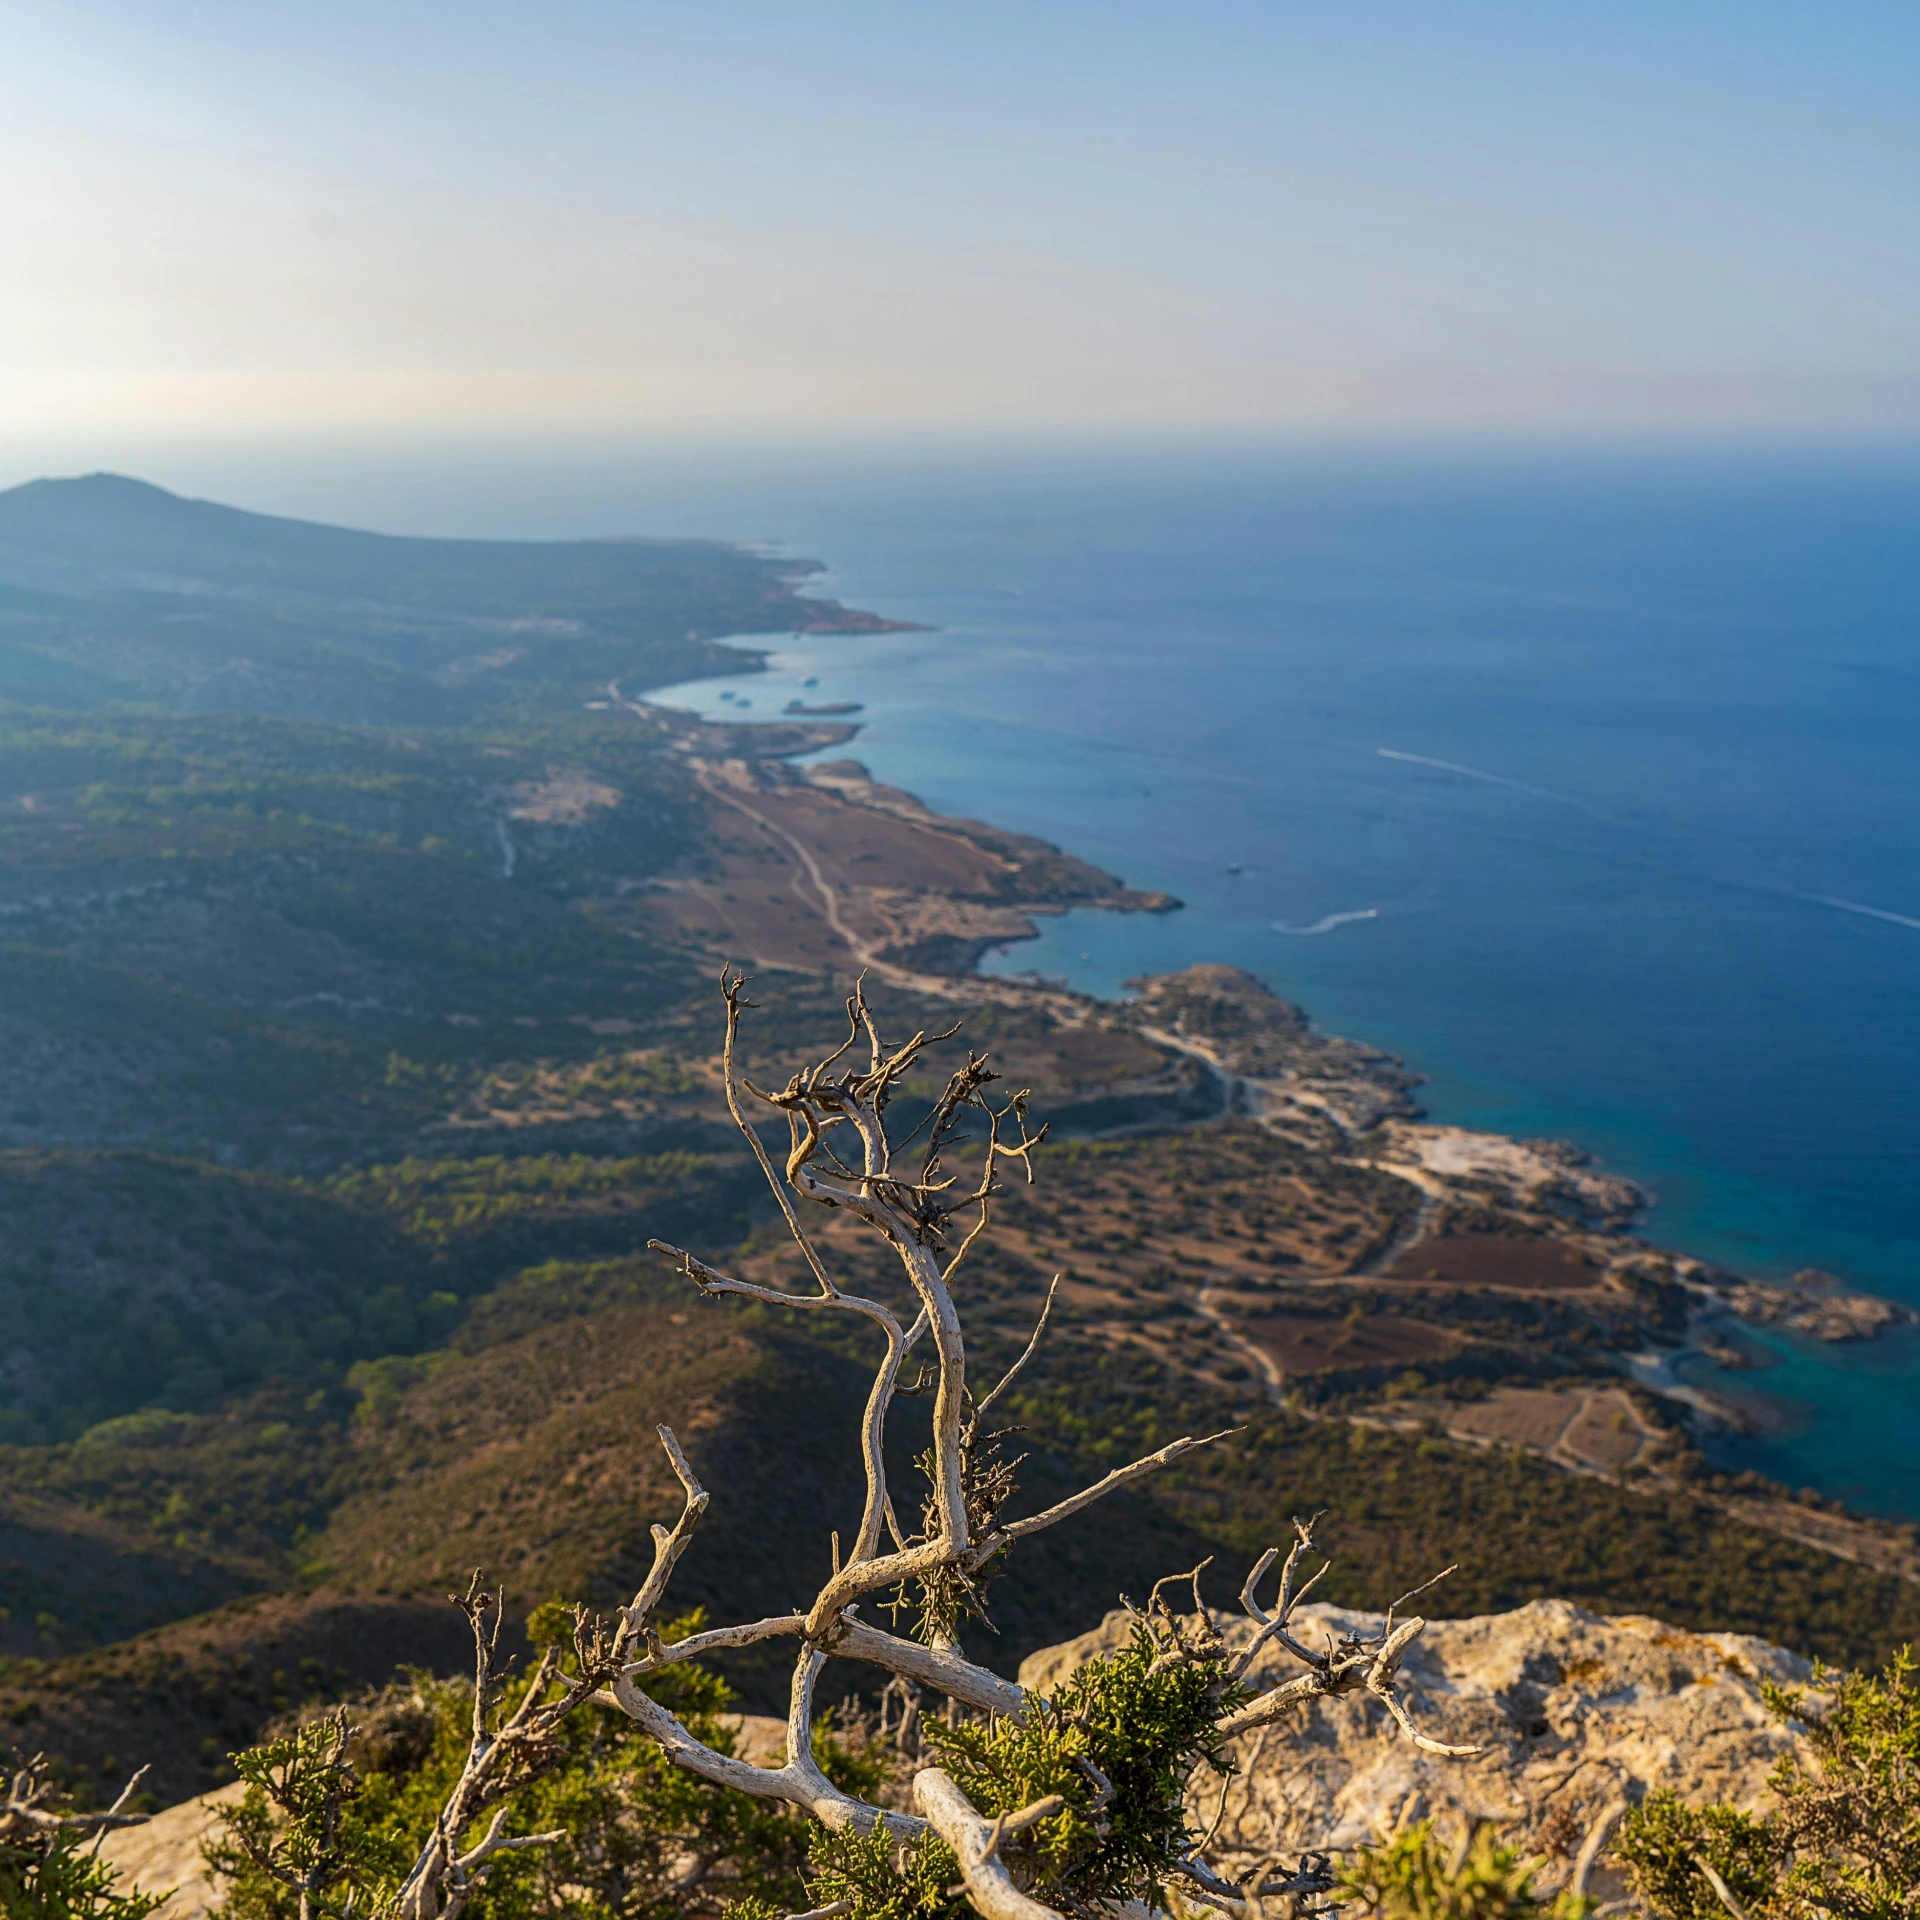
<point>163,1854</point>
<point>1818,1304</point>
<point>1576,1715</point>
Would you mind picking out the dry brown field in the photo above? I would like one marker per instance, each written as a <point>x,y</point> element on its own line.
<point>1312,1343</point>
<point>1592,1427</point>
<point>1503,1262</point>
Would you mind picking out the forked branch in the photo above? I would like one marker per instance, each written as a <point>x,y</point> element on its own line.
<point>931,1213</point>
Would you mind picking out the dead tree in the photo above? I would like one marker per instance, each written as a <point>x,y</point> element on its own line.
<point>840,1157</point>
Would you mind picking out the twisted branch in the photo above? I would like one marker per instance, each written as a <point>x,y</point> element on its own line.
<point>840,1156</point>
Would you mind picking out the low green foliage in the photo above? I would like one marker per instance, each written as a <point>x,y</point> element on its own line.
<point>877,1877</point>
<point>299,1844</point>
<point>60,1877</point>
<point>1412,1877</point>
<point>642,1838</point>
<point>1117,1742</point>
<point>1851,1824</point>
<point>1664,1841</point>
<point>1843,1839</point>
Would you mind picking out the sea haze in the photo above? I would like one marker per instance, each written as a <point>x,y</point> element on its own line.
<point>1589,782</point>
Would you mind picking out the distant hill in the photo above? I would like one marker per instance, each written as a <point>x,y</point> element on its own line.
<point>112,589</point>
<point>105,531</point>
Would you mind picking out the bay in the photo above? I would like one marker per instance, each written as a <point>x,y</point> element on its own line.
<point>1586,779</point>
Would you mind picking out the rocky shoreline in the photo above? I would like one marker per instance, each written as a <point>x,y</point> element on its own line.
<point>877,878</point>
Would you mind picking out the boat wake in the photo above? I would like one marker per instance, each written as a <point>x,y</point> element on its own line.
<point>1854,906</point>
<point>1491,779</point>
<point>1327,922</point>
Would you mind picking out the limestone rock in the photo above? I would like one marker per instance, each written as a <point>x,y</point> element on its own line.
<point>1575,1713</point>
<point>164,1853</point>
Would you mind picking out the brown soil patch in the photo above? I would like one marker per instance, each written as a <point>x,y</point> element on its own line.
<point>1497,1260</point>
<point>892,878</point>
<point>1309,1343</point>
<point>1590,1427</point>
<point>1606,1433</point>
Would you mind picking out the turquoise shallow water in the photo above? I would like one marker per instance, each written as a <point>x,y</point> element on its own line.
<point>1588,782</point>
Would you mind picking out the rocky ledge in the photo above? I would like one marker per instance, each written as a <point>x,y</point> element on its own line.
<point>1577,1716</point>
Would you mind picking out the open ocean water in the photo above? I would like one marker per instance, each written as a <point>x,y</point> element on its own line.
<point>1587,780</point>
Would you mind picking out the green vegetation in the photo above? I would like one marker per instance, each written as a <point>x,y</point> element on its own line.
<point>60,1877</point>
<point>1111,1753</point>
<point>341,1805</point>
<point>1842,1841</point>
<point>1117,1743</point>
<point>1412,1877</point>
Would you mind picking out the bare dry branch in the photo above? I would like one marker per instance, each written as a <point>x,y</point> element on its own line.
<point>1313,1876</point>
<point>1032,1347</point>
<point>1350,1664</point>
<point>667,1547</point>
<point>1597,1834</point>
<point>505,1756</point>
<point>975,1841</point>
<point>840,1156</point>
<point>33,1805</point>
<point>1119,1477</point>
<point>801,1783</point>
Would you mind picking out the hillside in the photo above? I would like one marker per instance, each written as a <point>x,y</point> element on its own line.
<point>526,1447</point>
<point>112,589</point>
<point>345,1066</point>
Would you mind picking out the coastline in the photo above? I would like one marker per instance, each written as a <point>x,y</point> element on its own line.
<point>917,897</point>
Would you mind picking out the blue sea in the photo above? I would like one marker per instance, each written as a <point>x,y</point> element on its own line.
<point>1585,778</point>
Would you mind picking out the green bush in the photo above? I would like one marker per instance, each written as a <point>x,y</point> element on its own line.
<point>641,1838</point>
<point>62,1878</point>
<point>1411,1877</point>
<point>1843,1840</point>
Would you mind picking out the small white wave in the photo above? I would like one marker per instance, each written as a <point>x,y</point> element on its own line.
<point>1327,922</point>
<point>1854,906</point>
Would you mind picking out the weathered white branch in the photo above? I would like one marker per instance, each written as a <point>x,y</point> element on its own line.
<point>1119,1477</point>
<point>975,1841</point>
<point>29,1806</point>
<point>1590,1847</point>
<point>1032,1347</point>
<point>1369,1665</point>
<point>873,1429</point>
<point>1311,1877</point>
<point>803,1786</point>
<point>943,1670</point>
<point>668,1547</point>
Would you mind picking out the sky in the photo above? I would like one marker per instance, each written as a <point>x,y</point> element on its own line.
<point>615,215</point>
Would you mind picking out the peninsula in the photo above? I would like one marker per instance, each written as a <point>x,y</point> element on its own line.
<point>358,923</point>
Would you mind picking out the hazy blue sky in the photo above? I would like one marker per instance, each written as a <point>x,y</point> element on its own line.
<point>794,215</point>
